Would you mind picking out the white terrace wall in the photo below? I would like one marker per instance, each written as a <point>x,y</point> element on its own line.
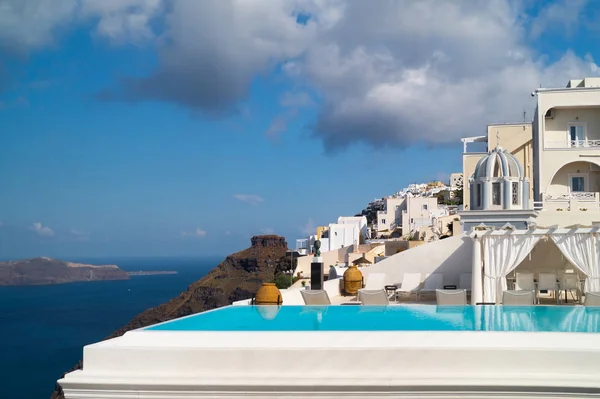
<point>451,257</point>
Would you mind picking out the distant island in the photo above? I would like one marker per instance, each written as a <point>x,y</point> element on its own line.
<point>151,272</point>
<point>44,271</point>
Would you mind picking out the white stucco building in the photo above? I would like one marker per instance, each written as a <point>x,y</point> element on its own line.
<point>405,215</point>
<point>420,212</point>
<point>347,231</point>
<point>359,221</point>
<point>391,217</point>
<point>566,153</point>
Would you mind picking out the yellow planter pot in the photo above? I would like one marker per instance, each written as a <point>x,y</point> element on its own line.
<point>268,294</point>
<point>353,280</point>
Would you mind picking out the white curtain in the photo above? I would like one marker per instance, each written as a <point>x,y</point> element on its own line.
<point>582,250</point>
<point>501,255</point>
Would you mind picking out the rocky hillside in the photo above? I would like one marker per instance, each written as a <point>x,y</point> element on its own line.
<point>238,277</point>
<point>40,271</point>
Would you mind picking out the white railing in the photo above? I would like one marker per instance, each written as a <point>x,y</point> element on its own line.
<point>577,201</point>
<point>572,144</point>
<point>579,196</point>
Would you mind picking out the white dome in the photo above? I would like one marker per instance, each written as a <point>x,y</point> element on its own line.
<point>498,163</point>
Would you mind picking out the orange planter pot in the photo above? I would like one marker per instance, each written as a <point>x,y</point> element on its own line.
<point>268,294</point>
<point>353,280</point>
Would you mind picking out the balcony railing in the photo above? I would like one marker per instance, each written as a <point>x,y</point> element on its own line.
<point>579,196</point>
<point>572,144</point>
<point>577,201</point>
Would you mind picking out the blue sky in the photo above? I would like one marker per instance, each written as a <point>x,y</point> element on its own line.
<point>150,127</point>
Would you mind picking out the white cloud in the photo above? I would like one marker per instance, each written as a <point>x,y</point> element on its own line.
<point>80,235</point>
<point>386,72</point>
<point>196,233</point>
<point>296,99</point>
<point>563,15</point>
<point>251,199</point>
<point>291,101</point>
<point>42,230</point>
<point>123,20</point>
<point>279,125</point>
<point>309,227</point>
<point>25,25</point>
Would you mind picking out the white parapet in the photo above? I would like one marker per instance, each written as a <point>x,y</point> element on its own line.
<point>180,364</point>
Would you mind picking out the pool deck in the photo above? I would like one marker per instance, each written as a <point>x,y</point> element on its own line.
<point>332,364</point>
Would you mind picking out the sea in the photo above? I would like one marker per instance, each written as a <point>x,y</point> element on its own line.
<point>43,329</point>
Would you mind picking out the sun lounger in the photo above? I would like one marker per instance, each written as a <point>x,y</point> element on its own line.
<point>373,297</point>
<point>375,281</point>
<point>433,282</point>
<point>518,298</point>
<point>410,283</point>
<point>315,297</point>
<point>451,297</point>
<point>592,299</point>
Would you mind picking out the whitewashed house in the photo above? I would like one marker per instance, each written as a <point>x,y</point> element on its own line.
<point>391,217</point>
<point>566,152</point>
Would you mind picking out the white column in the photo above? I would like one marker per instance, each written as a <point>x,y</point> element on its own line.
<point>476,282</point>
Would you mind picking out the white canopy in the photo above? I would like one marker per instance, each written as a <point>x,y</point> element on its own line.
<point>506,248</point>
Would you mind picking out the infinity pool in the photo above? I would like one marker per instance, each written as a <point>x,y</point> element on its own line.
<point>390,318</point>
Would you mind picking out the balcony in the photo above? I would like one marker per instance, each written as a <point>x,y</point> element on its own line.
<point>572,144</point>
<point>574,202</point>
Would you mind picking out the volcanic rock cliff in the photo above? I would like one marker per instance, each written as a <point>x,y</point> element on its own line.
<point>238,277</point>
<point>40,271</point>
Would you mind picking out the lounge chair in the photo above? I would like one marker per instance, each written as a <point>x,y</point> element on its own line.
<point>570,283</point>
<point>592,299</point>
<point>432,283</point>
<point>547,281</point>
<point>518,298</point>
<point>465,282</point>
<point>375,281</point>
<point>451,297</point>
<point>315,297</point>
<point>373,297</point>
<point>410,283</point>
<point>524,282</point>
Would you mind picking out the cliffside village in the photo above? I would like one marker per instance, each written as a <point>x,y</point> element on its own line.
<point>415,215</point>
<point>550,176</point>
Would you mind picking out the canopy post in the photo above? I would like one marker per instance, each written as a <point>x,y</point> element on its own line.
<point>476,275</point>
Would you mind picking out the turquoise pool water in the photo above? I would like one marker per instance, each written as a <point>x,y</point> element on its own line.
<point>390,318</point>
